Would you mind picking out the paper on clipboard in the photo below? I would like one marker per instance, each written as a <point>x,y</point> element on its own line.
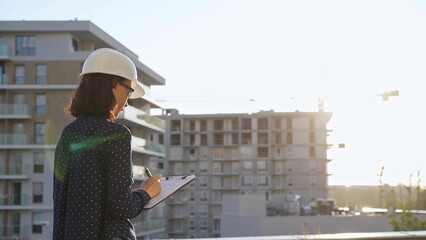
<point>169,185</point>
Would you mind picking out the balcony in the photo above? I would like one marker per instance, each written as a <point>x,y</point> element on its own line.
<point>14,200</point>
<point>4,79</point>
<point>15,232</point>
<point>148,147</point>
<point>5,52</point>
<point>15,171</point>
<point>13,139</point>
<point>14,111</point>
<point>147,228</point>
<point>136,118</point>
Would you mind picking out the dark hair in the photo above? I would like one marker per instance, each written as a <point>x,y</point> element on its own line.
<point>93,96</point>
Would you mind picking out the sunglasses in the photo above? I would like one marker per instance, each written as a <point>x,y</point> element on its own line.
<point>130,90</point>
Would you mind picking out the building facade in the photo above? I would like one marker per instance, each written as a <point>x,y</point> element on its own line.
<point>40,62</point>
<point>268,153</point>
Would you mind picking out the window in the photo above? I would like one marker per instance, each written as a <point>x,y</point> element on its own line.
<point>175,139</point>
<point>235,153</point>
<point>312,152</point>
<point>74,44</point>
<point>217,167</point>
<point>203,210</point>
<point>203,125</point>
<point>19,74</point>
<point>191,139</point>
<point>176,153</point>
<point>278,138</point>
<point>25,46</point>
<point>235,124</point>
<point>37,192</point>
<point>312,137</point>
<point>262,123</point>
<point>247,167</point>
<point>218,125</point>
<point>311,123</point>
<point>218,153</point>
<point>203,167</point>
<point>203,153</point>
<point>191,167</point>
<point>289,181</point>
<point>39,133</point>
<point>246,138</point>
<point>289,138</point>
<point>175,125</point>
<point>37,228</point>
<point>277,123</point>
<point>235,167</point>
<point>247,181</point>
<point>191,196</point>
<point>289,123</point>
<point>218,138</point>
<point>178,168</point>
<point>192,225</point>
<point>262,181</point>
<point>262,167</point>
<point>246,123</point>
<point>203,181</point>
<point>3,79</point>
<point>235,139</point>
<point>192,153</point>
<point>37,217</point>
<point>192,125</point>
<point>262,152</point>
<point>246,152</point>
<point>161,139</point>
<point>289,166</point>
<point>41,74</point>
<point>40,103</point>
<point>203,139</point>
<point>38,162</point>
<point>262,138</point>
<point>204,196</point>
<point>203,225</point>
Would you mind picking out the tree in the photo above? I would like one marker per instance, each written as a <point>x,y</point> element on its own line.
<point>406,221</point>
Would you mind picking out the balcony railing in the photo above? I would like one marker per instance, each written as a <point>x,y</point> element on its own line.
<point>149,226</point>
<point>153,120</point>
<point>14,232</point>
<point>148,145</point>
<point>14,200</point>
<point>5,52</point>
<point>14,110</point>
<point>15,169</point>
<point>4,79</point>
<point>13,139</point>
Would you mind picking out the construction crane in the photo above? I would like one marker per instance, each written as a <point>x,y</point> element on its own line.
<point>385,95</point>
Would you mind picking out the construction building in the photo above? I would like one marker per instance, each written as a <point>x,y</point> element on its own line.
<point>281,156</point>
<point>40,63</point>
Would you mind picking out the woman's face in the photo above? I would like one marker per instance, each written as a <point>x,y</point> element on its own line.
<point>122,92</point>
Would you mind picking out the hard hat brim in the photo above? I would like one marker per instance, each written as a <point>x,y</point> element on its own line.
<point>139,90</point>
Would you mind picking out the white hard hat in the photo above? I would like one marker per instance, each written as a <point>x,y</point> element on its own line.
<point>110,61</point>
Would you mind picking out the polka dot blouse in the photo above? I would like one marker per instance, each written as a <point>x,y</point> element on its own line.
<point>92,182</point>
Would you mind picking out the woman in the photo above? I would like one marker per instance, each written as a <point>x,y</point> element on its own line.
<point>92,194</point>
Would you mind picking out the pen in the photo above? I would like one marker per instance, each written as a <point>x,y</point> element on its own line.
<point>148,173</point>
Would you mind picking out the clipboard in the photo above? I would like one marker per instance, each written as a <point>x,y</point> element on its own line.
<point>169,185</point>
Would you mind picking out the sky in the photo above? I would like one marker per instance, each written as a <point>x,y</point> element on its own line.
<point>243,56</point>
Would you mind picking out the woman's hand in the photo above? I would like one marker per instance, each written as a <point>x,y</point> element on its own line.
<point>152,185</point>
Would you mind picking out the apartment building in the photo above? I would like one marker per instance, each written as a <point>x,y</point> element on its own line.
<point>272,154</point>
<point>40,62</point>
